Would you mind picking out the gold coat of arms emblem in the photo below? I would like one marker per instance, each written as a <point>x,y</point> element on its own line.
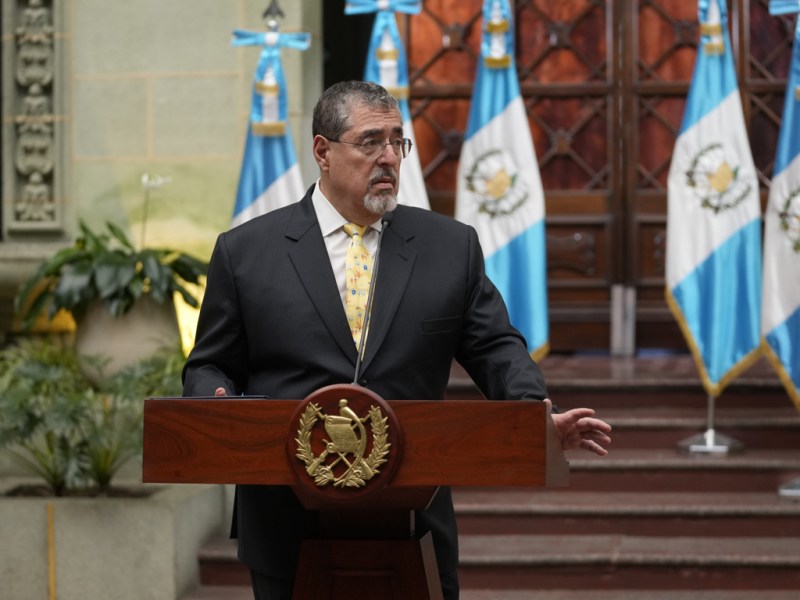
<point>352,448</point>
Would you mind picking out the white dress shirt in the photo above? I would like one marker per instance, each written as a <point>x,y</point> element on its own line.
<point>331,224</point>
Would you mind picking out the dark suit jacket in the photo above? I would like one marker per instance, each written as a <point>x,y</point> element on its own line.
<point>272,323</point>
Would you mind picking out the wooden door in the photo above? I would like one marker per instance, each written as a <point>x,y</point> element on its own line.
<point>605,85</point>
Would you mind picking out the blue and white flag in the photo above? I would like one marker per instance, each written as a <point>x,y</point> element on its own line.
<point>780,313</point>
<point>499,191</point>
<point>713,270</point>
<point>387,66</point>
<point>270,176</point>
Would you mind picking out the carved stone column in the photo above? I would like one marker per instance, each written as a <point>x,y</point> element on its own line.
<point>34,204</point>
<point>34,155</point>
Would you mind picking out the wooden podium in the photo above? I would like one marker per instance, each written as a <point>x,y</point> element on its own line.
<point>366,484</point>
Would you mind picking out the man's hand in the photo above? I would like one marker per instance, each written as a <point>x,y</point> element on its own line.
<point>220,391</point>
<point>578,428</point>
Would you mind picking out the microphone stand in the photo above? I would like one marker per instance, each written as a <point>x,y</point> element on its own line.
<point>386,220</point>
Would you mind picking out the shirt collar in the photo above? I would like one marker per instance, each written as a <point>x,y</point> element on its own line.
<point>328,217</point>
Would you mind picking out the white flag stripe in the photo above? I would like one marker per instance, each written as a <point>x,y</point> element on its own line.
<point>684,207</point>
<point>781,262</point>
<point>508,130</point>
<point>288,188</point>
<point>412,183</point>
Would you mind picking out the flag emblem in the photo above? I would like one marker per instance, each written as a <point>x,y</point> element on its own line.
<point>789,217</point>
<point>495,182</point>
<point>714,182</point>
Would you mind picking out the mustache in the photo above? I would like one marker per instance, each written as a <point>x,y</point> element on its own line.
<point>382,173</point>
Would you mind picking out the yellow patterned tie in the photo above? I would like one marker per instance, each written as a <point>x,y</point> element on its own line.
<point>358,270</point>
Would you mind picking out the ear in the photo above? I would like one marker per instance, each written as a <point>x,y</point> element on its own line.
<point>321,149</point>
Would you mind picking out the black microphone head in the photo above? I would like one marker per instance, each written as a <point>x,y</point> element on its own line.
<point>387,218</point>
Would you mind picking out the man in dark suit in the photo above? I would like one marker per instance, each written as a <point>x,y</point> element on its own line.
<point>274,318</point>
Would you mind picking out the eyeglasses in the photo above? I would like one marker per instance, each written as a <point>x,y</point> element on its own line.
<point>372,147</point>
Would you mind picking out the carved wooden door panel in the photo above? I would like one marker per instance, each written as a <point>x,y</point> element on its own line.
<point>567,67</point>
<point>604,84</point>
<point>658,69</point>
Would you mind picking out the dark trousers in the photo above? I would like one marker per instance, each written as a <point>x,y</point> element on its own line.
<point>270,588</point>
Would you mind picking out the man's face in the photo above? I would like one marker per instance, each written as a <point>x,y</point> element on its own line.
<point>355,177</point>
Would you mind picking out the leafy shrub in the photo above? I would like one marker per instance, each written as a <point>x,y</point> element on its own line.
<point>60,427</point>
<point>107,267</point>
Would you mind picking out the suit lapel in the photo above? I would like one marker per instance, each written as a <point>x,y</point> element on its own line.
<point>310,259</point>
<point>396,261</point>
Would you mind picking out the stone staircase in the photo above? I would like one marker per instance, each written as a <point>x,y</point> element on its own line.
<point>646,522</point>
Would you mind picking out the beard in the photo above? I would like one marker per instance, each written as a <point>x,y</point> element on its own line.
<point>378,204</point>
<point>384,201</point>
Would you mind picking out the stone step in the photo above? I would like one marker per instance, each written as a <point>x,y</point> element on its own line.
<point>627,595</point>
<point>220,592</point>
<point>595,562</point>
<point>666,427</point>
<point>553,561</point>
<point>245,593</point>
<point>660,394</point>
<point>554,512</point>
<point>219,565</point>
<point>604,382</point>
<point>666,470</point>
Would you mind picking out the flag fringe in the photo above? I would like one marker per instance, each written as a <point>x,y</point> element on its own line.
<point>783,374</point>
<point>539,353</point>
<point>713,389</point>
<point>273,129</point>
<point>501,62</point>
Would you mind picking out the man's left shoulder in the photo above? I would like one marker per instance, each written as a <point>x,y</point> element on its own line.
<point>422,221</point>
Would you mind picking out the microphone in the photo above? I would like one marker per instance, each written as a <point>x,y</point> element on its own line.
<point>386,220</point>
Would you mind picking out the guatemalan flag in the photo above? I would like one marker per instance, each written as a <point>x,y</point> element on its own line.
<point>499,191</point>
<point>714,216</point>
<point>387,66</point>
<point>270,176</point>
<point>780,315</point>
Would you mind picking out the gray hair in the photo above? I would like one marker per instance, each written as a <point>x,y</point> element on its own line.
<point>332,112</point>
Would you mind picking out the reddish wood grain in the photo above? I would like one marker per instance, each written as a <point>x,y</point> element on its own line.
<point>478,443</point>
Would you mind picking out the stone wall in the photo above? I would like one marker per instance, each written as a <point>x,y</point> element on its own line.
<point>97,94</point>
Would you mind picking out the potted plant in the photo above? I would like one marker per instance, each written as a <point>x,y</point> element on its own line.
<point>71,434</point>
<point>121,298</point>
<point>71,519</point>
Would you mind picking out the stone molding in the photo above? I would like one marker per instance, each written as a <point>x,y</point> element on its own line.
<point>34,151</point>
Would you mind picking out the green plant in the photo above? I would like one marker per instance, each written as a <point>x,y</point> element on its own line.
<point>61,428</point>
<point>106,267</point>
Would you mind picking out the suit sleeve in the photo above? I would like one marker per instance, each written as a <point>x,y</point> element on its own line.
<point>493,352</point>
<point>219,357</point>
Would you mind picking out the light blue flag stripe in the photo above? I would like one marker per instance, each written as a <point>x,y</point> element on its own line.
<point>789,138</point>
<point>783,7</point>
<point>522,278</point>
<point>784,343</point>
<point>719,76</point>
<point>392,73</point>
<point>360,7</point>
<point>386,20</point>
<point>495,88</point>
<point>725,290</point>
<point>265,160</point>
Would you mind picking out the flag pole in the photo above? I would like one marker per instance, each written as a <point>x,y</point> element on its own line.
<point>710,442</point>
